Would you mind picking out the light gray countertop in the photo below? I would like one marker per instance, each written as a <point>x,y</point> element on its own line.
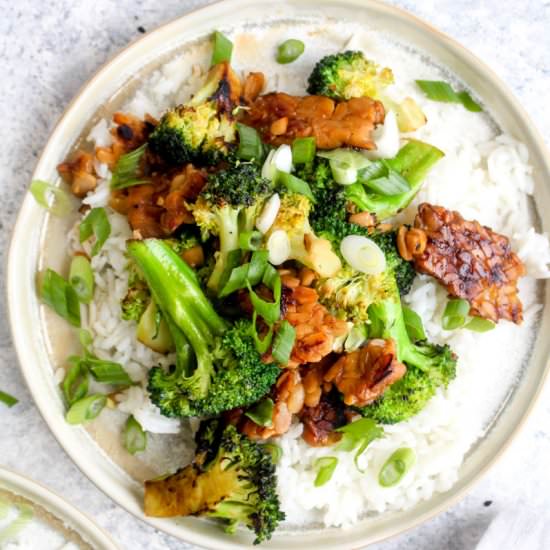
<point>49,48</point>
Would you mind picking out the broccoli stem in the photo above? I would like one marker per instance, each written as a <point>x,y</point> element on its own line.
<point>191,318</point>
<point>229,241</point>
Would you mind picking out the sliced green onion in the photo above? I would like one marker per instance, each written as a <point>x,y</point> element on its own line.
<point>374,170</point>
<point>303,150</point>
<point>233,260</point>
<point>250,240</point>
<point>262,413</point>
<point>108,372</point>
<point>269,311</point>
<point>127,170</point>
<point>60,296</point>
<point>325,469</point>
<point>86,409</point>
<point>223,48</point>
<point>358,435</point>
<point>479,324</point>
<point>81,278</point>
<point>236,281</point>
<point>437,90</point>
<point>284,342</point>
<point>455,314</point>
<point>95,223</point>
<point>134,438</point>
<point>250,144</point>
<point>85,338</point>
<point>413,323</point>
<point>343,172</point>
<point>52,198</point>
<point>13,529</point>
<point>289,51</point>
<point>8,399</point>
<point>395,468</point>
<point>257,267</point>
<point>390,185</point>
<point>75,383</point>
<point>275,451</point>
<point>261,345</point>
<point>294,184</point>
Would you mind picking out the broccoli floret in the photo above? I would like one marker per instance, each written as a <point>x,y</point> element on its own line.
<point>203,130</point>
<point>429,366</point>
<point>348,74</point>
<point>137,298</point>
<point>229,204</point>
<point>305,247</point>
<point>217,366</point>
<point>186,239</point>
<point>232,479</point>
<point>240,378</point>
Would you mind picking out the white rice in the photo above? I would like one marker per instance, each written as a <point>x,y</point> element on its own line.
<point>485,175</point>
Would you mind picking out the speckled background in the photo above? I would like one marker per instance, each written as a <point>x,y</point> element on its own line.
<point>49,48</point>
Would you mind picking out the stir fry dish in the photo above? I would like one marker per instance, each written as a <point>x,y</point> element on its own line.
<point>266,259</point>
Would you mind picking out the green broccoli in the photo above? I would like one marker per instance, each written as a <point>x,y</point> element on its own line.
<point>217,365</point>
<point>348,74</point>
<point>137,298</point>
<point>232,478</point>
<point>429,366</point>
<point>229,205</point>
<point>203,130</point>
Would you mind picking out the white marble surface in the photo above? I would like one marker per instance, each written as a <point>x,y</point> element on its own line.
<point>49,48</point>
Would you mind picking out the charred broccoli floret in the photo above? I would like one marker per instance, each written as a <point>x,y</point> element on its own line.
<point>217,365</point>
<point>232,478</point>
<point>137,298</point>
<point>203,130</point>
<point>229,204</point>
<point>346,75</point>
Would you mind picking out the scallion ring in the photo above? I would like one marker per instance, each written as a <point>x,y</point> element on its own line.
<point>478,324</point>
<point>223,48</point>
<point>250,240</point>
<point>455,314</point>
<point>81,278</point>
<point>52,198</point>
<point>325,469</point>
<point>86,409</point>
<point>303,150</point>
<point>262,413</point>
<point>289,51</point>
<point>134,438</point>
<point>395,468</point>
<point>284,342</point>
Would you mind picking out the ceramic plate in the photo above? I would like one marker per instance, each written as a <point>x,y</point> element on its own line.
<point>39,240</point>
<point>49,518</point>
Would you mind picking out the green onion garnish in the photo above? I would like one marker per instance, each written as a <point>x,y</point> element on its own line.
<point>397,465</point>
<point>127,170</point>
<point>257,267</point>
<point>86,409</point>
<point>289,51</point>
<point>251,272</point>
<point>326,466</point>
<point>60,296</point>
<point>107,372</point>
<point>389,185</point>
<point>455,314</point>
<point>95,223</point>
<point>262,413</point>
<point>269,311</point>
<point>284,342</point>
<point>75,383</point>
<point>437,90</point>
<point>223,48</point>
<point>478,324</point>
<point>294,184</point>
<point>303,150</point>
<point>261,345</point>
<point>237,280</point>
<point>81,278</point>
<point>358,435</point>
<point>233,260</point>
<point>250,144</point>
<point>134,438</point>
<point>275,451</point>
<point>414,326</point>
<point>8,399</point>
<point>52,198</point>
<point>250,240</point>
